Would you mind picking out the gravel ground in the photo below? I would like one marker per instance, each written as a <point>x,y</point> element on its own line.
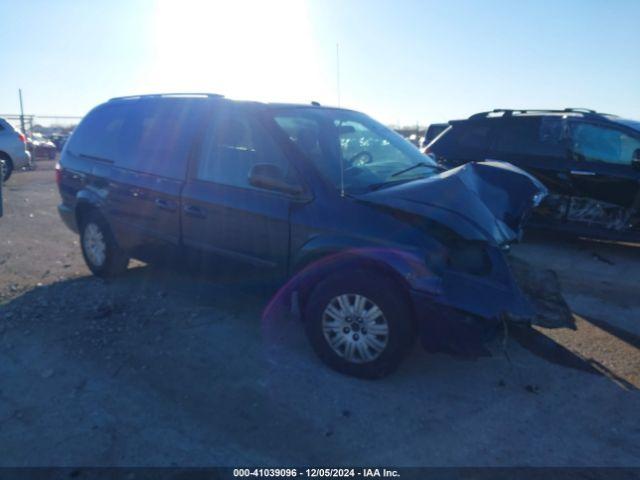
<point>162,368</point>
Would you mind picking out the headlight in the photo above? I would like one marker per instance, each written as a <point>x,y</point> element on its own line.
<point>436,262</point>
<point>537,198</point>
<point>470,258</point>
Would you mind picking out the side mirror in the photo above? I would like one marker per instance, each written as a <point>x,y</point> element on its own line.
<point>271,177</point>
<point>635,159</point>
<point>574,156</point>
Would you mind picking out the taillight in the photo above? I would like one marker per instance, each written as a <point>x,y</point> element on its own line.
<point>58,174</point>
<point>22,138</point>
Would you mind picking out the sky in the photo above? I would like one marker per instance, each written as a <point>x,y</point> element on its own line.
<point>404,62</point>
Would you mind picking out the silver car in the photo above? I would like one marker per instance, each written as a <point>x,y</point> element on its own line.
<point>13,150</point>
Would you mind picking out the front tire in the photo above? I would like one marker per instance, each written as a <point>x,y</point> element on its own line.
<point>359,323</point>
<point>6,168</point>
<point>101,253</point>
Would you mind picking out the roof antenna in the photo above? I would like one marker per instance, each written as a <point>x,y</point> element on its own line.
<point>338,93</point>
<point>338,71</point>
<point>341,175</point>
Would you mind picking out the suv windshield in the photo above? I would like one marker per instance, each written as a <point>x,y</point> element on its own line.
<point>370,154</point>
<point>635,124</point>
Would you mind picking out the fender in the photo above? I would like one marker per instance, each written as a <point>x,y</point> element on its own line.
<point>324,254</point>
<point>338,248</point>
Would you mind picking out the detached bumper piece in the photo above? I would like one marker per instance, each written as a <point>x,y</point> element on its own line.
<point>542,290</point>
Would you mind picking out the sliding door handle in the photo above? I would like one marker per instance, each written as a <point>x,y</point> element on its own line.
<point>194,211</point>
<point>166,204</point>
<point>582,172</point>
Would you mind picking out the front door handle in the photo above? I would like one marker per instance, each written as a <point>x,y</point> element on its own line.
<point>582,172</point>
<point>194,211</point>
<point>165,204</point>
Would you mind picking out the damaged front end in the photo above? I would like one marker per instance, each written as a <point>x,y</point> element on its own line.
<point>461,307</point>
<point>471,286</point>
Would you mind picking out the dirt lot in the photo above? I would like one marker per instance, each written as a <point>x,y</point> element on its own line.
<point>162,368</point>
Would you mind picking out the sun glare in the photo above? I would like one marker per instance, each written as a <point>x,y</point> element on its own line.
<point>243,49</point>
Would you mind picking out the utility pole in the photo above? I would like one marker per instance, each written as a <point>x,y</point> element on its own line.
<point>21,113</point>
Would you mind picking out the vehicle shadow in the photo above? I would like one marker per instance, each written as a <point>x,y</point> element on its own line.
<point>157,340</point>
<point>546,348</point>
<point>565,240</point>
<point>192,359</point>
<point>599,281</point>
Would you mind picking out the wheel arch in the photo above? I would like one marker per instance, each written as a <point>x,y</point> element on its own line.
<point>85,203</point>
<point>316,267</point>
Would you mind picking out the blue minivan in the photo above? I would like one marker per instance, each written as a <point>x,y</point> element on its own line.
<point>374,242</point>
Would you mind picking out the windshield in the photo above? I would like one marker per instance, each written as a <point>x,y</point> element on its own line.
<point>351,147</point>
<point>635,124</point>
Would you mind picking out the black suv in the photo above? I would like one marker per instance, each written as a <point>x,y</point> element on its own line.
<point>377,245</point>
<point>589,161</point>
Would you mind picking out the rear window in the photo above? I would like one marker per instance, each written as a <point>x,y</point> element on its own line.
<point>4,125</point>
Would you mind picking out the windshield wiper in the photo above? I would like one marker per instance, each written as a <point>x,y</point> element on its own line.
<point>419,164</point>
<point>388,183</point>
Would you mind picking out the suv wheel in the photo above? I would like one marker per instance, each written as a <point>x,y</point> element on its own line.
<point>99,249</point>
<point>359,324</point>
<point>6,168</point>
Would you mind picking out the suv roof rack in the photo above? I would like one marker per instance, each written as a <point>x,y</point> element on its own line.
<point>158,95</point>
<point>509,112</point>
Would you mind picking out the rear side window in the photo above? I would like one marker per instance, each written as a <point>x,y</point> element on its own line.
<point>530,136</point>
<point>158,137</point>
<point>142,135</point>
<point>100,133</point>
<point>474,137</point>
<point>236,142</point>
<point>464,140</point>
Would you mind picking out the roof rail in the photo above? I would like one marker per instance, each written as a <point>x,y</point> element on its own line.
<point>580,110</point>
<point>508,112</point>
<point>158,95</point>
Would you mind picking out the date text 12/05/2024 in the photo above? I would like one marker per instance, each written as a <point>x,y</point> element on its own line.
<point>316,472</point>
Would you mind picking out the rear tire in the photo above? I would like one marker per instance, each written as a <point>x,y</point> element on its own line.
<point>101,253</point>
<point>359,323</point>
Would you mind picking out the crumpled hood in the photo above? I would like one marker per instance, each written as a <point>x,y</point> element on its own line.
<point>487,200</point>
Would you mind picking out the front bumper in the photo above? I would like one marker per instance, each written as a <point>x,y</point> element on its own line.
<point>495,295</point>
<point>448,330</point>
<point>457,312</point>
